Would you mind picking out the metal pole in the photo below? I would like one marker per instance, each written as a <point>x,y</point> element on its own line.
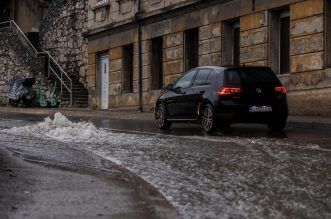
<point>61,83</point>
<point>49,65</point>
<point>71,93</point>
<point>140,65</point>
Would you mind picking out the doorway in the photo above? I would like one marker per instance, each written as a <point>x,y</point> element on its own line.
<point>104,81</point>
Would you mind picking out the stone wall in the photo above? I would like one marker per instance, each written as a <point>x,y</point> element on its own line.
<point>61,34</point>
<point>16,58</point>
<point>308,83</point>
<point>210,45</point>
<point>254,39</point>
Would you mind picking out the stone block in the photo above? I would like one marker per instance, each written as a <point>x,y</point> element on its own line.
<point>115,77</point>
<point>216,59</point>
<point>307,62</point>
<point>115,65</point>
<point>145,47</point>
<point>253,53</point>
<point>204,60</point>
<point>173,67</point>
<point>160,28</point>
<point>91,81</point>
<point>253,21</point>
<point>216,29</point>
<point>98,45</point>
<point>216,44</point>
<point>115,89</point>
<point>310,102</point>
<point>307,26</point>
<point>306,8</point>
<point>170,79</point>
<point>173,53</point>
<point>91,59</point>
<point>145,60</point>
<point>122,38</point>
<point>172,40</point>
<point>307,44</point>
<point>91,70</point>
<point>204,32</point>
<point>310,80</point>
<point>258,63</point>
<point>204,47</point>
<point>115,53</point>
<point>253,37</point>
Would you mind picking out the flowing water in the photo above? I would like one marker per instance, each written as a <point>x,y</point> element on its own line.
<point>204,177</point>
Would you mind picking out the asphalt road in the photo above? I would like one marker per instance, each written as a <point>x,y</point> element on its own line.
<point>245,172</point>
<point>48,179</point>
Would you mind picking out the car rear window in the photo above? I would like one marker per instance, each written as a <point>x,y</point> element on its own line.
<point>236,77</point>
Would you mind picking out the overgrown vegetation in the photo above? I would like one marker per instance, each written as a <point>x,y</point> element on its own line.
<point>3,102</point>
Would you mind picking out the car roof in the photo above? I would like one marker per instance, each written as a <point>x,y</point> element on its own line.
<point>222,68</point>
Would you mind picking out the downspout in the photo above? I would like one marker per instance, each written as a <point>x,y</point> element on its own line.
<point>140,68</point>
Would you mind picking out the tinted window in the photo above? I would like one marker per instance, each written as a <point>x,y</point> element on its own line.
<point>185,81</point>
<point>202,77</point>
<point>210,77</point>
<point>238,76</point>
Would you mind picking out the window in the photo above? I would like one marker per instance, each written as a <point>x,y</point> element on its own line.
<point>279,48</point>
<point>231,42</point>
<point>5,10</point>
<point>186,80</point>
<point>157,64</point>
<point>284,43</point>
<point>202,77</point>
<point>328,32</point>
<point>127,69</point>
<point>191,48</point>
<point>234,77</point>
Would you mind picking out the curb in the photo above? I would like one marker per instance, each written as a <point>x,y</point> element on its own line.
<point>79,112</point>
<point>308,122</point>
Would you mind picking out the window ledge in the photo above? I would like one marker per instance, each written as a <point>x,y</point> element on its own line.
<point>105,4</point>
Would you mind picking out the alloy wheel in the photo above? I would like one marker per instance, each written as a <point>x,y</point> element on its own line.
<point>160,116</point>
<point>207,119</point>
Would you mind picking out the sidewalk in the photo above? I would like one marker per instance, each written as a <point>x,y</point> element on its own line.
<point>298,121</point>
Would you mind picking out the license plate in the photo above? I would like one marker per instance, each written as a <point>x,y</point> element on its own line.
<point>260,109</point>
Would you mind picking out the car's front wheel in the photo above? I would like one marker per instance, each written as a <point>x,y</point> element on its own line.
<point>208,119</point>
<point>161,118</point>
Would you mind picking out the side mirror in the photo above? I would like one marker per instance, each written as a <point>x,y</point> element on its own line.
<point>169,87</point>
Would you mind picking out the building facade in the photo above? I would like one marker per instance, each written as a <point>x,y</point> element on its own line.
<point>27,14</point>
<point>136,47</point>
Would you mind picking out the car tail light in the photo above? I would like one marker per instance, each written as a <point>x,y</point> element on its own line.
<point>280,90</point>
<point>225,91</point>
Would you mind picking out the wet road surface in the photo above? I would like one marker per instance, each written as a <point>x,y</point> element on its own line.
<point>247,172</point>
<point>70,183</point>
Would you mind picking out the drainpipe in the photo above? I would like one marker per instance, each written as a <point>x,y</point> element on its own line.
<point>140,62</point>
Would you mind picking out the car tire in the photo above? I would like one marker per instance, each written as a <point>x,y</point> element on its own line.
<point>277,125</point>
<point>161,117</point>
<point>208,119</point>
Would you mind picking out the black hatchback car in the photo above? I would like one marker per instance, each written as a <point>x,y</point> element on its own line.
<point>216,96</point>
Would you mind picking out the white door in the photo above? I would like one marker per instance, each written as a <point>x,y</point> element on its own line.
<point>104,79</point>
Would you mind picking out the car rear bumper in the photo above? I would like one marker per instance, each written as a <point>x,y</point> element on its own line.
<point>240,113</point>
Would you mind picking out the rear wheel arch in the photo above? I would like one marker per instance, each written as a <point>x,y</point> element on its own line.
<point>202,104</point>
